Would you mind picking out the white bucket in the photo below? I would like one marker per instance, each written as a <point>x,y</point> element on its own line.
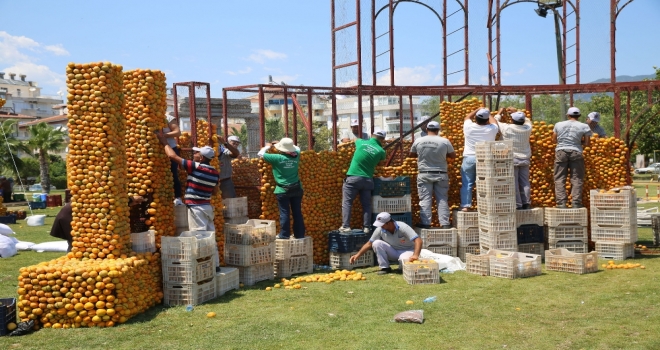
<point>36,220</point>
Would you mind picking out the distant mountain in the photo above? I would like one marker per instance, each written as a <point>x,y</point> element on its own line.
<point>619,78</point>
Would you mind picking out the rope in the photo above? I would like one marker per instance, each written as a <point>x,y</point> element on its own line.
<point>15,167</point>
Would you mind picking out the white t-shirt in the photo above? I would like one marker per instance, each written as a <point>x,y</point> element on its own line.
<point>170,140</point>
<point>348,134</point>
<point>519,134</point>
<point>476,133</point>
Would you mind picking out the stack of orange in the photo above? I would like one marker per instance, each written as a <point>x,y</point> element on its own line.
<point>148,166</point>
<point>541,173</point>
<point>96,163</point>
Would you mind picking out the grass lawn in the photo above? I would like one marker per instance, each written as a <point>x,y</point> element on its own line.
<point>611,309</point>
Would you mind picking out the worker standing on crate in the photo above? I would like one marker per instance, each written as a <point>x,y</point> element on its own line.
<point>432,152</point>
<point>569,136</point>
<point>391,240</point>
<point>593,120</point>
<point>203,181</point>
<point>228,151</point>
<point>288,189</point>
<point>359,179</point>
<point>519,132</point>
<point>354,133</point>
<point>484,128</point>
<point>171,131</point>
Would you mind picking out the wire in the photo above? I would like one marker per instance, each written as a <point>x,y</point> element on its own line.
<point>14,161</point>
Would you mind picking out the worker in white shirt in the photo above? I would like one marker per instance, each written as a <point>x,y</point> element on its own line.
<point>519,132</point>
<point>354,133</point>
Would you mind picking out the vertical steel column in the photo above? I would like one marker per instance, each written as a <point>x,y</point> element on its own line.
<point>577,42</point>
<point>628,116</point>
<point>371,113</point>
<point>262,118</point>
<point>391,9</point>
<point>617,113</point>
<point>444,41</point>
<point>208,112</point>
<point>358,31</point>
<point>225,123</point>
<point>286,112</point>
<point>333,117</point>
<point>563,46</point>
<point>466,53</point>
<point>193,114</point>
<point>295,125</point>
<point>310,121</point>
<point>617,97</point>
<point>498,37</point>
<point>528,103</point>
<point>490,44</point>
<point>412,122</point>
<point>373,48</point>
<point>401,124</point>
<point>333,44</point>
<point>175,100</point>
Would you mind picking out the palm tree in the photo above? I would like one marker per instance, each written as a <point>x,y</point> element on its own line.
<point>242,136</point>
<point>44,138</point>
<point>10,148</point>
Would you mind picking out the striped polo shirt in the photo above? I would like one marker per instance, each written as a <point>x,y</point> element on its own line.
<point>202,178</point>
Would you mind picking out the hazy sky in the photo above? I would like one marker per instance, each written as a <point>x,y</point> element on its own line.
<point>230,43</point>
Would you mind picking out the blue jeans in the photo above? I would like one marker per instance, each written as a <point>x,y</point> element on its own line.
<point>290,206</point>
<point>174,166</point>
<point>468,179</point>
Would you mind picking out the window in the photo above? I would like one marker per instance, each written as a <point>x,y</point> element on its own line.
<point>18,92</point>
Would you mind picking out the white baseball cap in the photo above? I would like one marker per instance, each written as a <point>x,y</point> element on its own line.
<point>594,116</point>
<point>433,125</point>
<point>382,219</point>
<point>354,122</point>
<point>380,133</point>
<point>205,151</point>
<point>518,116</point>
<point>234,138</point>
<point>574,112</point>
<point>483,113</point>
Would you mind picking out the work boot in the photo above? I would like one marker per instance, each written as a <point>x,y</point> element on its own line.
<point>577,206</point>
<point>527,206</point>
<point>561,206</point>
<point>446,227</point>
<point>344,229</point>
<point>422,226</point>
<point>384,271</point>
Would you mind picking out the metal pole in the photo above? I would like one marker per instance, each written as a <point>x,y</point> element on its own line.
<point>295,125</point>
<point>497,45</point>
<point>193,114</point>
<point>208,112</point>
<point>333,44</point>
<point>286,112</point>
<point>225,123</point>
<point>310,131</point>
<point>373,50</point>
<point>466,54</point>
<point>358,31</point>
<point>412,123</point>
<point>333,117</point>
<point>613,46</point>
<point>560,60</point>
<point>401,122</point>
<point>444,42</point>
<point>391,9</point>
<point>577,42</point>
<point>262,118</point>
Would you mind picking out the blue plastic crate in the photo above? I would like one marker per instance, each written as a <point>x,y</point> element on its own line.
<point>530,234</point>
<point>9,219</point>
<point>37,205</point>
<point>404,217</point>
<point>348,242</point>
<point>7,314</point>
<point>399,186</point>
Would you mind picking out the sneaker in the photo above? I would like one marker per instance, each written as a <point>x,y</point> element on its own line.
<point>177,201</point>
<point>527,206</point>
<point>577,206</point>
<point>344,229</point>
<point>422,226</point>
<point>519,208</point>
<point>561,206</point>
<point>446,227</point>
<point>384,271</point>
<point>217,269</point>
<point>281,237</point>
<point>366,230</point>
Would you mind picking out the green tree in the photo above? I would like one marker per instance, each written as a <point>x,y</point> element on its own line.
<point>430,106</point>
<point>274,129</point>
<point>45,138</point>
<point>30,167</point>
<point>10,163</point>
<point>242,135</point>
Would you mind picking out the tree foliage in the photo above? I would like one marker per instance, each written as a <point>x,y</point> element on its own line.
<point>45,138</point>
<point>10,148</point>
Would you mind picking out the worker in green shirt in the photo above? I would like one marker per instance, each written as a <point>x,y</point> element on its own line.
<point>288,189</point>
<point>359,179</point>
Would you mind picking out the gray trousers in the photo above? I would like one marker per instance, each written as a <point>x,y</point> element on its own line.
<point>385,253</point>
<point>427,186</point>
<point>354,185</point>
<point>227,188</point>
<point>521,182</point>
<point>566,160</point>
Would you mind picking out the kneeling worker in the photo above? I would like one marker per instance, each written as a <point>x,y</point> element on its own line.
<point>391,240</point>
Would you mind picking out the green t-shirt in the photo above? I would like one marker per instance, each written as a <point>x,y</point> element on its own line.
<point>368,153</point>
<point>285,169</point>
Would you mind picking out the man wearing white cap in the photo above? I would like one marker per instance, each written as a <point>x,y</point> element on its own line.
<point>354,133</point>
<point>391,240</point>
<point>593,120</point>
<point>432,152</point>
<point>359,179</point>
<point>228,151</point>
<point>570,135</point>
<point>484,128</point>
<point>519,132</point>
<point>423,128</point>
<point>171,131</point>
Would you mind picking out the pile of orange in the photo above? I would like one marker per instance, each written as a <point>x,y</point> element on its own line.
<point>627,266</point>
<point>335,276</point>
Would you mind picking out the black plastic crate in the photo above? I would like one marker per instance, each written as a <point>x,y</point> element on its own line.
<point>7,314</point>
<point>399,186</point>
<point>346,242</point>
<point>403,217</point>
<point>9,219</point>
<point>530,234</point>
<point>37,205</point>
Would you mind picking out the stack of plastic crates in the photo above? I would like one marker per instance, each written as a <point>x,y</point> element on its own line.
<point>180,218</point>
<point>294,256</point>
<point>143,242</point>
<point>530,230</point>
<point>496,196</point>
<point>235,210</point>
<point>567,228</point>
<point>343,245</point>
<point>504,264</point>
<point>566,261</point>
<point>614,223</point>
<point>250,247</point>
<point>189,262</point>
<point>227,279</point>
<point>440,241</point>
<point>467,232</point>
<point>392,195</point>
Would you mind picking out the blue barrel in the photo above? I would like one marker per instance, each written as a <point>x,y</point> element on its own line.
<point>44,197</point>
<point>36,197</point>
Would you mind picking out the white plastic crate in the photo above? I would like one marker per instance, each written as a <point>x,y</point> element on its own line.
<point>188,272</point>
<point>235,207</point>
<point>614,234</point>
<point>400,204</point>
<point>188,246</point>
<point>530,217</point>
<point>239,220</point>
<point>624,217</point>
<point>515,265</point>
<point>248,255</point>
<point>507,241</point>
<point>438,236</point>
<point>293,266</point>
<point>188,294</point>
<point>615,250</point>
<point>565,216</point>
<point>181,216</point>
<point>494,150</point>
<point>487,169</point>
<point>143,242</point>
<point>573,246</point>
<point>249,275</point>
<point>468,236</point>
<point>251,232</point>
<point>465,219</point>
<point>468,249</point>
<point>443,249</point>
<point>623,199</point>
<point>496,187</point>
<point>227,279</point>
<point>568,233</point>
<point>496,205</point>
<point>532,248</point>
<point>497,222</point>
<point>286,248</point>
<point>479,264</point>
<point>423,271</point>
<point>564,260</point>
<point>342,261</point>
